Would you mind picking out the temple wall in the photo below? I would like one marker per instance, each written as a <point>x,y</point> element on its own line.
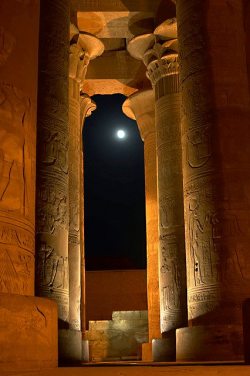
<point>114,290</point>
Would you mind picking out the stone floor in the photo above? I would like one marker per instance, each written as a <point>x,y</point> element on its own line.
<point>144,369</point>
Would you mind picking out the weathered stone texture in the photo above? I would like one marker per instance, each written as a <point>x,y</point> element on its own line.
<point>28,336</point>
<point>18,86</point>
<point>141,107</point>
<point>52,219</point>
<point>215,135</point>
<point>215,128</point>
<point>119,338</point>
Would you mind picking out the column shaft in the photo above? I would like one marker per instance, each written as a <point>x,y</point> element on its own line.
<point>215,135</point>
<point>172,272</point>
<point>150,166</point>
<point>18,89</point>
<point>74,206</point>
<point>141,107</point>
<point>52,156</point>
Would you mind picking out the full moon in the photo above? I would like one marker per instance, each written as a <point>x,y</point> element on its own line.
<point>121,134</point>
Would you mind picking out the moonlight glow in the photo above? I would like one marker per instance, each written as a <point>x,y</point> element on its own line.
<point>120,134</point>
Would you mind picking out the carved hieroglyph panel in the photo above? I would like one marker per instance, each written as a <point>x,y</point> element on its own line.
<point>7,43</point>
<point>52,212</point>
<point>201,186</point>
<point>16,258</point>
<point>171,214</point>
<point>17,170</point>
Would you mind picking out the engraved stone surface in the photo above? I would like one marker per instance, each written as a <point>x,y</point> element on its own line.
<point>163,71</point>
<point>215,135</point>
<point>83,48</point>
<point>18,87</point>
<point>52,219</point>
<point>28,336</point>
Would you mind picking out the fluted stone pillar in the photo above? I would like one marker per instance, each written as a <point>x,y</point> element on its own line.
<point>162,64</point>
<point>141,107</point>
<point>216,155</point>
<point>52,214</point>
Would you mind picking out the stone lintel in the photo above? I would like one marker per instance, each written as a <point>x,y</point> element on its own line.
<point>113,86</point>
<point>115,5</point>
<point>116,24</point>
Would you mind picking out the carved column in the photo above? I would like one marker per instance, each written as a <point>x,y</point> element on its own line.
<point>84,47</point>
<point>17,150</point>
<point>162,64</point>
<point>87,106</point>
<point>28,338</point>
<point>52,217</point>
<point>141,107</point>
<point>215,134</point>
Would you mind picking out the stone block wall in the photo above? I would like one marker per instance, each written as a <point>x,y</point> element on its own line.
<point>118,339</point>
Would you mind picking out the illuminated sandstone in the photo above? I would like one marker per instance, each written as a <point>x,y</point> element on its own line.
<point>163,71</point>
<point>140,107</point>
<point>216,155</point>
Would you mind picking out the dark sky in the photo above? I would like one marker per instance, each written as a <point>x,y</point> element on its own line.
<point>115,234</point>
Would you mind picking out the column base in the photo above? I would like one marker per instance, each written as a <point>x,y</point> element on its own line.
<point>28,335</point>
<point>147,355</point>
<point>209,343</point>
<point>164,349</point>
<point>70,346</point>
<point>85,351</point>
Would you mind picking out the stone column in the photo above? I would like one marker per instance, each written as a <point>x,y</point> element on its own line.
<point>141,107</point>
<point>87,106</point>
<point>162,64</point>
<point>216,155</point>
<point>83,48</point>
<point>52,213</point>
<point>28,335</point>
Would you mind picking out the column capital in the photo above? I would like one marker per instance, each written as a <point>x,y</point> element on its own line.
<point>158,50</point>
<point>83,48</point>
<point>140,106</point>
<point>87,106</point>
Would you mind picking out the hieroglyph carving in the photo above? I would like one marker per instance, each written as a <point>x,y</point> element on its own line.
<point>172,274</point>
<point>52,155</point>
<point>7,43</point>
<point>16,192</point>
<point>201,196</point>
<point>15,154</point>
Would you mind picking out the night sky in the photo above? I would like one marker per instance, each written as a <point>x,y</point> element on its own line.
<point>114,193</point>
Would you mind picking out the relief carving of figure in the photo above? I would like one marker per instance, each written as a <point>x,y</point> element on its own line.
<point>54,268</point>
<point>53,212</point>
<point>7,43</point>
<point>170,274</point>
<point>14,108</point>
<point>199,147</point>
<point>56,151</point>
<point>203,253</point>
